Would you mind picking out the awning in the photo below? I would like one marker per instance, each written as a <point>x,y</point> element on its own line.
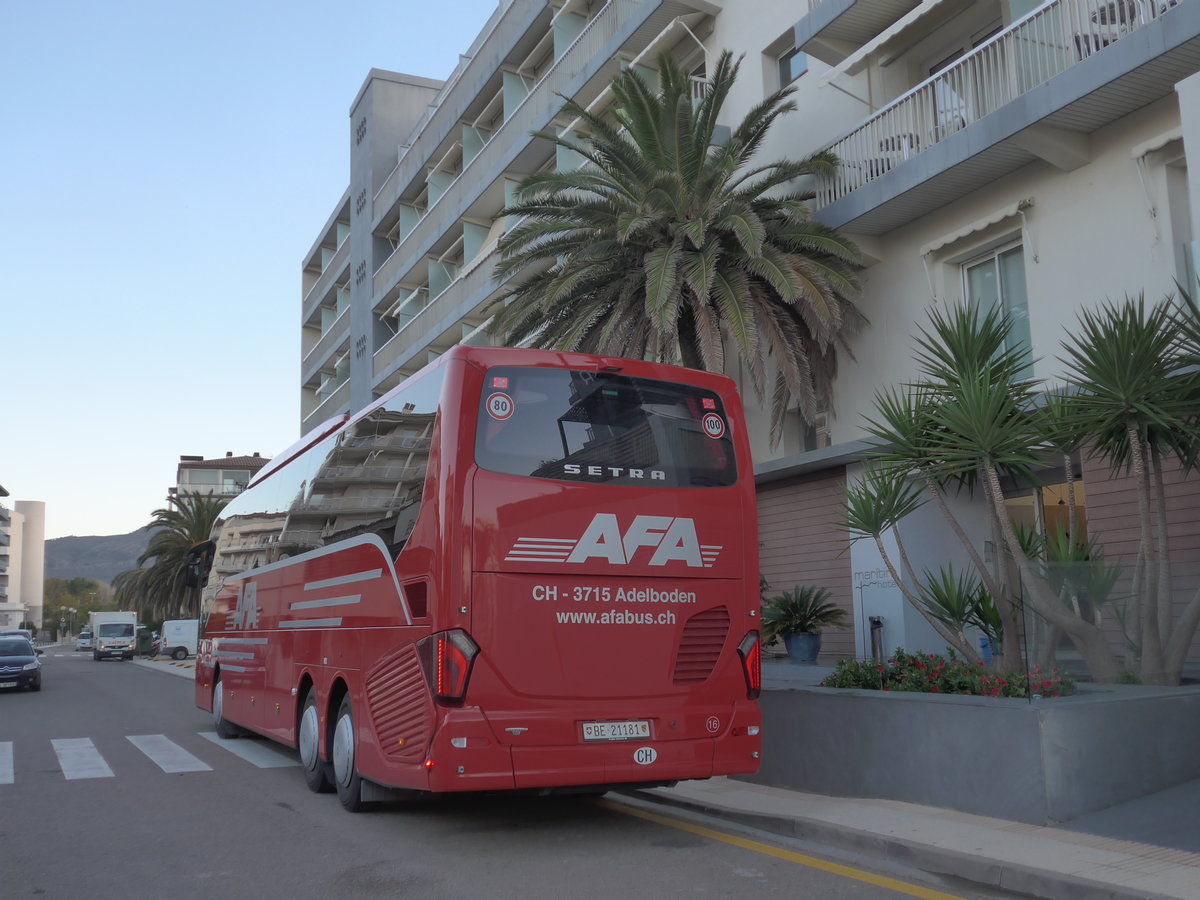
<point>1156,143</point>
<point>993,218</point>
<point>857,60</point>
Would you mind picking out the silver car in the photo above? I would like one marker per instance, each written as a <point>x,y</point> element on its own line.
<point>84,641</point>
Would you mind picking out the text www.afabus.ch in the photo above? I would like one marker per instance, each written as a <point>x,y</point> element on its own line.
<point>615,617</point>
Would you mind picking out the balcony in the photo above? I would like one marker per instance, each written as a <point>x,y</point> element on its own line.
<point>369,474</point>
<point>328,404</point>
<point>1033,91</point>
<point>582,71</point>
<point>334,271</point>
<point>328,506</point>
<point>474,285</point>
<point>330,341</point>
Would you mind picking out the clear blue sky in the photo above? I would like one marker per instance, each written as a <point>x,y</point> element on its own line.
<point>164,167</point>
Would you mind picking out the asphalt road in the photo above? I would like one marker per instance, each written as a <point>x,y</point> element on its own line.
<point>112,785</point>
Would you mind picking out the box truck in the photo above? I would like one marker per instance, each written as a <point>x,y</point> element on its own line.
<point>113,634</point>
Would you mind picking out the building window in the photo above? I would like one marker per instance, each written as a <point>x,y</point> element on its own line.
<point>998,280</point>
<point>792,64</point>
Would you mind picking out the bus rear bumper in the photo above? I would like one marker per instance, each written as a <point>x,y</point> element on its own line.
<point>616,763</point>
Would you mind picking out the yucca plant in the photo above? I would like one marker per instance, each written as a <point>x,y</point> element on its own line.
<point>802,610</point>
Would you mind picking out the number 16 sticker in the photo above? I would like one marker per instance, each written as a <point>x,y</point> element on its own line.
<point>714,425</point>
<point>500,406</point>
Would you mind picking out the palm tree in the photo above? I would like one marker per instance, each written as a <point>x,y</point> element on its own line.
<point>1134,368</point>
<point>669,242</point>
<point>159,590</point>
<point>972,419</point>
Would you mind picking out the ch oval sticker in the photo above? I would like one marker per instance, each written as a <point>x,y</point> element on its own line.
<point>644,756</point>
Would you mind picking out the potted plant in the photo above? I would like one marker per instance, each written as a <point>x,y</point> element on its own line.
<point>797,616</point>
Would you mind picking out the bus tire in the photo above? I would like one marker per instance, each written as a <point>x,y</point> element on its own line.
<point>225,729</point>
<point>345,776</point>
<point>317,772</point>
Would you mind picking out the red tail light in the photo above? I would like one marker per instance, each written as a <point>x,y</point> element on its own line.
<point>750,651</point>
<point>447,658</point>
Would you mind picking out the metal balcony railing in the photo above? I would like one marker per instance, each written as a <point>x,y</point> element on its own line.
<point>331,505</point>
<point>391,474</point>
<point>1043,44</point>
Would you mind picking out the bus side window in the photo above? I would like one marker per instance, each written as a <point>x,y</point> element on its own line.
<point>417,595</point>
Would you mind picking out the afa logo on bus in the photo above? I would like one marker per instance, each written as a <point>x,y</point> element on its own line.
<point>663,539</point>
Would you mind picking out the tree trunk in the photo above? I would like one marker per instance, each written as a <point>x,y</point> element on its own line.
<point>1090,640</point>
<point>952,638</point>
<point>1008,657</point>
<point>1146,596</point>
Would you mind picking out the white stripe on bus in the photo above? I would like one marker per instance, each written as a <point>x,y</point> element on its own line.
<point>327,601</point>
<point>310,623</point>
<point>233,640</point>
<point>343,579</point>
<point>264,756</point>
<point>79,758</point>
<point>166,754</point>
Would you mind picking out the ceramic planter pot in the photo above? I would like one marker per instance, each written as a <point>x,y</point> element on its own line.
<point>802,647</point>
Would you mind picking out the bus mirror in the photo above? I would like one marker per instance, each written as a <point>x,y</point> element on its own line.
<point>197,564</point>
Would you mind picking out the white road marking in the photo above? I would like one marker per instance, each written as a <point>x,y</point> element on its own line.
<point>79,758</point>
<point>166,754</point>
<point>6,762</point>
<point>257,754</point>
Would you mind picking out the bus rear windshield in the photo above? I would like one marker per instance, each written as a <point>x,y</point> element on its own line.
<point>601,427</point>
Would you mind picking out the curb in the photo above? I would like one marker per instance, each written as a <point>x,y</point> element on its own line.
<point>980,870</point>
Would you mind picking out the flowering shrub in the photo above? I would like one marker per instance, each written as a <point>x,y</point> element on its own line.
<point>933,674</point>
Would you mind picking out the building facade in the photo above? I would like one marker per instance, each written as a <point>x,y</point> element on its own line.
<point>1031,155</point>
<point>22,562</point>
<point>225,476</point>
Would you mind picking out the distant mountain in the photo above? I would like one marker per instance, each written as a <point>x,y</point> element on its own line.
<point>99,557</point>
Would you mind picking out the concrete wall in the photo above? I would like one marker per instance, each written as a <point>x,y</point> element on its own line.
<point>1037,762</point>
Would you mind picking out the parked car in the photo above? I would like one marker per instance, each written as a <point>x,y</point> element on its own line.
<point>19,663</point>
<point>84,641</point>
<point>17,632</point>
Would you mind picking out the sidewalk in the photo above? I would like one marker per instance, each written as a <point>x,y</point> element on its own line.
<point>1009,856</point>
<point>184,669</point>
<point>1091,857</point>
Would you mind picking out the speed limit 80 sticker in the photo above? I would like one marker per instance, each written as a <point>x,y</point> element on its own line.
<point>713,425</point>
<point>499,405</point>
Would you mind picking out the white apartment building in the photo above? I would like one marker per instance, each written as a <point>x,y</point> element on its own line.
<point>225,476</point>
<point>1033,154</point>
<point>22,562</point>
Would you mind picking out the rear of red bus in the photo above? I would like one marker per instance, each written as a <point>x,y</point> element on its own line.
<point>606,628</point>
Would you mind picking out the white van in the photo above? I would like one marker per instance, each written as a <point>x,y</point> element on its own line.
<point>178,638</point>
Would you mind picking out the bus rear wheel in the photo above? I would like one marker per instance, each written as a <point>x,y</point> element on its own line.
<point>225,729</point>
<point>316,770</point>
<point>345,775</point>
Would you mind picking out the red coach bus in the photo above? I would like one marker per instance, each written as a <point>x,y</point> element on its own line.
<point>519,569</point>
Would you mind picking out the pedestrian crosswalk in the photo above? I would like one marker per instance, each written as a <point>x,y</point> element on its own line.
<point>80,759</point>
